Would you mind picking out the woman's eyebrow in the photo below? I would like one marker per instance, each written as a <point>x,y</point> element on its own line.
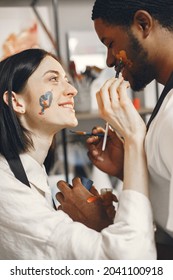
<point>51,71</point>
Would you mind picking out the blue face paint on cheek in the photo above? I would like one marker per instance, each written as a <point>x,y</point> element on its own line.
<point>45,101</point>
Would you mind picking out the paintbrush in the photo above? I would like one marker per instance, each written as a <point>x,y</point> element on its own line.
<point>85,133</point>
<point>118,70</point>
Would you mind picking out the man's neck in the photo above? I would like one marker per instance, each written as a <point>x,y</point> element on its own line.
<point>164,57</point>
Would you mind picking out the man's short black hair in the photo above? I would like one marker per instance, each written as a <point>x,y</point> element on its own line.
<point>121,12</point>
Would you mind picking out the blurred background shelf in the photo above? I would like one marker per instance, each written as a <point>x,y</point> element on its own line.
<point>94,115</point>
<point>22,3</point>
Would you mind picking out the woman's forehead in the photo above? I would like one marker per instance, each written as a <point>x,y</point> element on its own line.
<point>50,64</point>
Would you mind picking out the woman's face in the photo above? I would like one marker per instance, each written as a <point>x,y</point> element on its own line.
<point>49,99</point>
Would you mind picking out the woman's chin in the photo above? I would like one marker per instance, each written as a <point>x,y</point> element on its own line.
<point>74,123</point>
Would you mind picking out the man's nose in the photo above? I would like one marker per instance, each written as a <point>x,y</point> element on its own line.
<point>110,60</point>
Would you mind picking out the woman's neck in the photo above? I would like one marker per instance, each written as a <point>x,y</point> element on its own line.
<point>41,146</point>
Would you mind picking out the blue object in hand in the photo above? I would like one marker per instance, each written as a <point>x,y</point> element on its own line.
<point>86,182</point>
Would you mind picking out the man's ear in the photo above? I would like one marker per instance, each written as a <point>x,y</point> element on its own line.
<point>144,21</point>
<point>17,102</point>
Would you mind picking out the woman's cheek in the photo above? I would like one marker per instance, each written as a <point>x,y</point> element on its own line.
<point>45,101</point>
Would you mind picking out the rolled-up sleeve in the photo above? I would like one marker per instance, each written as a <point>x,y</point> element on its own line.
<point>132,235</point>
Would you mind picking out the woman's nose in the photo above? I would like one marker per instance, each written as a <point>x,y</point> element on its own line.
<point>71,90</point>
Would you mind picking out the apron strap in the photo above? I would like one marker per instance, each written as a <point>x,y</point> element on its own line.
<point>19,172</point>
<point>167,88</point>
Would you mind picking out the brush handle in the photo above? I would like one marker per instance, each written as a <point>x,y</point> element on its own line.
<point>97,134</point>
<point>105,137</point>
<point>84,133</point>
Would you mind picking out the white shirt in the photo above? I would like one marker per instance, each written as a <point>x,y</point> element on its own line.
<point>31,229</point>
<point>159,150</point>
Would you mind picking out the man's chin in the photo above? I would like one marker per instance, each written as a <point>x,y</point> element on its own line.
<point>137,86</point>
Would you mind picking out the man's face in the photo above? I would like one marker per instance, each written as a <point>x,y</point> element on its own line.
<point>116,38</point>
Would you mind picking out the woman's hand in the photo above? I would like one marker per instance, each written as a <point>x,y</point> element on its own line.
<point>116,108</point>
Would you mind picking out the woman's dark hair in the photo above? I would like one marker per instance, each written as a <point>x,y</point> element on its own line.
<point>121,12</point>
<point>14,74</point>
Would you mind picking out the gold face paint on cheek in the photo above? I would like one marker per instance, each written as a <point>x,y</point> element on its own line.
<point>123,61</point>
<point>123,57</point>
<point>45,101</point>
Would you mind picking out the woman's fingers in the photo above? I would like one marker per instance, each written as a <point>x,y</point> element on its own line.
<point>102,96</point>
<point>118,94</point>
<point>108,95</point>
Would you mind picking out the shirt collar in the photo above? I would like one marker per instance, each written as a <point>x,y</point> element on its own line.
<point>36,173</point>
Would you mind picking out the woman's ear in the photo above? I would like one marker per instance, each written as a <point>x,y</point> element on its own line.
<point>143,21</point>
<point>17,102</point>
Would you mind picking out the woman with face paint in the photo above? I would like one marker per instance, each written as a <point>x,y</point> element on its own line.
<point>36,102</point>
